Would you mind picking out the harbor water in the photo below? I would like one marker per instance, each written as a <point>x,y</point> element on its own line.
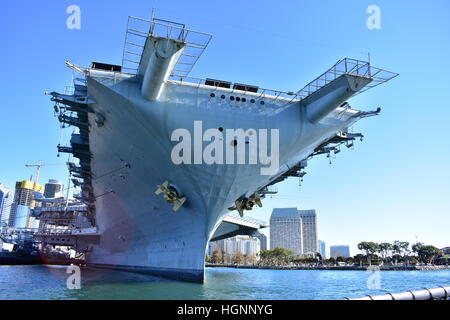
<point>50,282</point>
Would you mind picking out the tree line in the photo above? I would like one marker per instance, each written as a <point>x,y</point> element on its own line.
<point>398,251</point>
<point>238,258</point>
<point>371,253</point>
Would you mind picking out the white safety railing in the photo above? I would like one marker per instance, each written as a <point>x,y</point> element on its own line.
<point>138,30</point>
<point>441,293</point>
<point>350,67</point>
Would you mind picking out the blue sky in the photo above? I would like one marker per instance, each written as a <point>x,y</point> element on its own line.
<point>394,185</point>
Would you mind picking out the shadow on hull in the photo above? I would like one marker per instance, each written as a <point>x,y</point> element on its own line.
<point>195,276</point>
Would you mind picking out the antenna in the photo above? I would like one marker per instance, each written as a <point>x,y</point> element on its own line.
<point>153,13</point>
<point>68,183</point>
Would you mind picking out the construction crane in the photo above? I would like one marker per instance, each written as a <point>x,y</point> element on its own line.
<point>39,165</point>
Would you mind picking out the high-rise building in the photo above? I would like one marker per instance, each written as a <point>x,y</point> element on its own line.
<point>262,240</point>
<point>339,251</point>
<point>252,247</point>
<point>213,245</point>
<point>54,189</point>
<point>245,245</point>
<point>23,201</point>
<point>309,231</point>
<point>6,201</point>
<point>323,249</point>
<point>286,230</point>
<point>294,230</point>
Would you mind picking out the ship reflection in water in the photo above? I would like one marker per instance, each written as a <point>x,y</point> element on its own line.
<point>49,282</point>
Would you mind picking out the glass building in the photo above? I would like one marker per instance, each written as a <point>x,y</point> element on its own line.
<point>6,201</point>
<point>340,251</point>
<point>323,249</point>
<point>24,201</point>
<point>54,189</point>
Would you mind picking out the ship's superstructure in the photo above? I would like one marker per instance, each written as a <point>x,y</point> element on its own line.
<point>153,198</point>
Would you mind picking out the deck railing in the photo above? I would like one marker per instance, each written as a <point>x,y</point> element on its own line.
<point>441,293</point>
<point>138,30</point>
<point>351,67</point>
<point>259,94</point>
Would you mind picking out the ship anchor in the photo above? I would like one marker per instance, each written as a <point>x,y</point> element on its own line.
<point>246,204</point>
<point>171,195</point>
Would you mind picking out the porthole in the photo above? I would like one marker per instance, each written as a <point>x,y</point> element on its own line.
<point>262,102</point>
<point>252,100</point>
<point>244,100</point>
<point>223,96</point>
<point>212,95</point>
<point>232,98</point>
<point>220,129</point>
<point>238,99</point>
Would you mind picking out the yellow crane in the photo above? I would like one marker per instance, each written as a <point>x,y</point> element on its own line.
<point>39,165</point>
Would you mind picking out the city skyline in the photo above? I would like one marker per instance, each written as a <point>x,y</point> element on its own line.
<point>380,192</point>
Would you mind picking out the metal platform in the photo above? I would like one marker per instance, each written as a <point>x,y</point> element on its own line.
<point>138,30</point>
<point>346,66</point>
<point>350,67</point>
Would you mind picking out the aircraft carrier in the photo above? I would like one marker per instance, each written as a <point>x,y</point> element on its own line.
<point>153,205</point>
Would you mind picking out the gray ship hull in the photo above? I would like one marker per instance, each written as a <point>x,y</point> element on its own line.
<point>140,232</point>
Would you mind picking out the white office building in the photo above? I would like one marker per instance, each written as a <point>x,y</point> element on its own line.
<point>245,245</point>
<point>294,230</point>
